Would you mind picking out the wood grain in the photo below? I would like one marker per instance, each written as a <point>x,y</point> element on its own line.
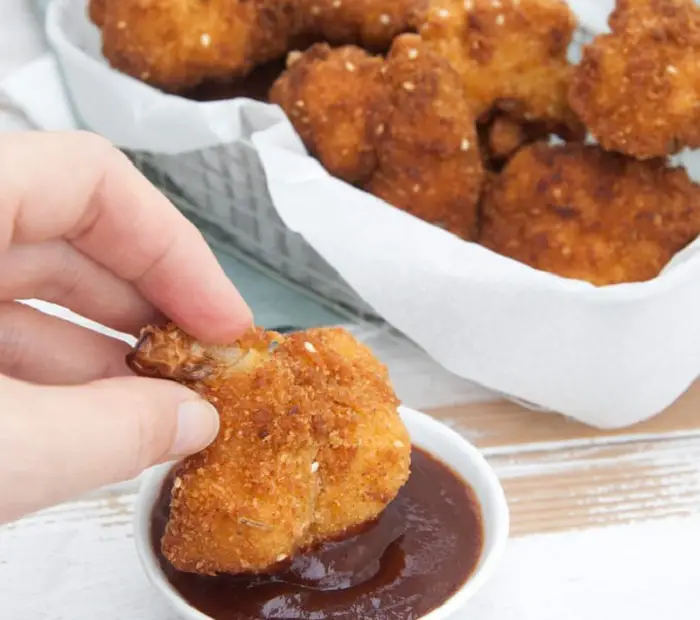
<point>505,424</point>
<point>560,475</point>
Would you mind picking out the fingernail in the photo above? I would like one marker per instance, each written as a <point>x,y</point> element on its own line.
<point>197,427</point>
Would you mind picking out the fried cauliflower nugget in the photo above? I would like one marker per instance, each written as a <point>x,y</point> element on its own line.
<point>584,213</point>
<point>334,98</point>
<point>96,10</point>
<point>505,136</point>
<point>372,24</point>
<point>429,163</point>
<point>501,136</point>
<point>177,44</point>
<point>638,88</point>
<point>310,446</point>
<point>510,54</point>
<point>399,127</point>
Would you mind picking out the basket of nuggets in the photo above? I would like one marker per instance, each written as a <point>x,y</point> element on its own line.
<point>521,205</point>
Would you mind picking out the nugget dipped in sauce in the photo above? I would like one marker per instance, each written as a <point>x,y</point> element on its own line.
<point>311,445</point>
<point>584,213</point>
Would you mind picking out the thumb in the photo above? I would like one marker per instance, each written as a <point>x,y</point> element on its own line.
<point>59,442</point>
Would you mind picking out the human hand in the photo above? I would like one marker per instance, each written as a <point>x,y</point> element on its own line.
<point>80,227</point>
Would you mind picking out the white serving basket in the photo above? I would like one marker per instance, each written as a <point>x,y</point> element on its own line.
<point>609,357</point>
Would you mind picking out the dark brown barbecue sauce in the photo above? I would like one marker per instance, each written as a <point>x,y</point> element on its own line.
<point>413,558</point>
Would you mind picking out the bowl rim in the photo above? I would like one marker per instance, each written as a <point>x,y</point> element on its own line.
<point>498,527</point>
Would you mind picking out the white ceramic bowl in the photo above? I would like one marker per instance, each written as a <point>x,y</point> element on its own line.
<point>427,433</point>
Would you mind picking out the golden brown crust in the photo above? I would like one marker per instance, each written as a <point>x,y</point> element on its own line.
<point>580,212</point>
<point>372,24</point>
<point>335,100</point>
<point>400,128</point>
<point>505,137</point>
<point>429,163</point>
<point>501,136</point>
<point>178,44</point>
<point>96,11</point>
<point>310,446</point>
<point>510,54</point>
<point>638,88</point>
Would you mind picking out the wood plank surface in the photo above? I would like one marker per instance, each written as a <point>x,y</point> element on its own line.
<point>506,424</point>
<point>561,475</point>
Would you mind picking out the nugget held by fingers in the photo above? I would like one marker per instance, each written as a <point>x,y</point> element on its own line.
<point>311,445</point>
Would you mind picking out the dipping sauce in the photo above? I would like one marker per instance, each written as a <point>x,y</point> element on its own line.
<point>415,556</point>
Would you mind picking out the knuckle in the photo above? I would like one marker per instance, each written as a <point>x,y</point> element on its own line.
<point>102,152</point>
<point>151,442</point>
<point>93,142</point>
<point>68,274</point>
<point>12,340</point>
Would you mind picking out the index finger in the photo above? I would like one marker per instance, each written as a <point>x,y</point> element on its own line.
<point>75,185</point>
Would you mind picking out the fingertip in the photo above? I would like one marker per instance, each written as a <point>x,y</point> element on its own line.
<point>197,426</point>
<point>219,326</point>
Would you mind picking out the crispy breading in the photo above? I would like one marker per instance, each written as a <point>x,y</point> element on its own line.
<point>501,136</point>
<point>505,136</point>
<point>177,44</point>
<point>581,212</point>
<point>638,88</point>
<point>400,128</point>
<point>96,11</point>
<point>310,446</point>
<point>372,24</point>
<point>335,100</point>
<point>511,54</point>
<point>429,163</point>
<point>174,44</point>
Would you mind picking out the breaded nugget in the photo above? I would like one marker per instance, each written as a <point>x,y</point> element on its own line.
<point>177,44</point>
<point>511,54</point>
<point>504,136</point>
<point>96,11</point>
<point>310,446</point>
<point>372,24</point>
<point>672,17</point>
<point>584,213</point>
<point>501,136</point>
<point>399,128</point>
<point>638,88</point>
<point>335,100</point>
<point>429,163</point>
